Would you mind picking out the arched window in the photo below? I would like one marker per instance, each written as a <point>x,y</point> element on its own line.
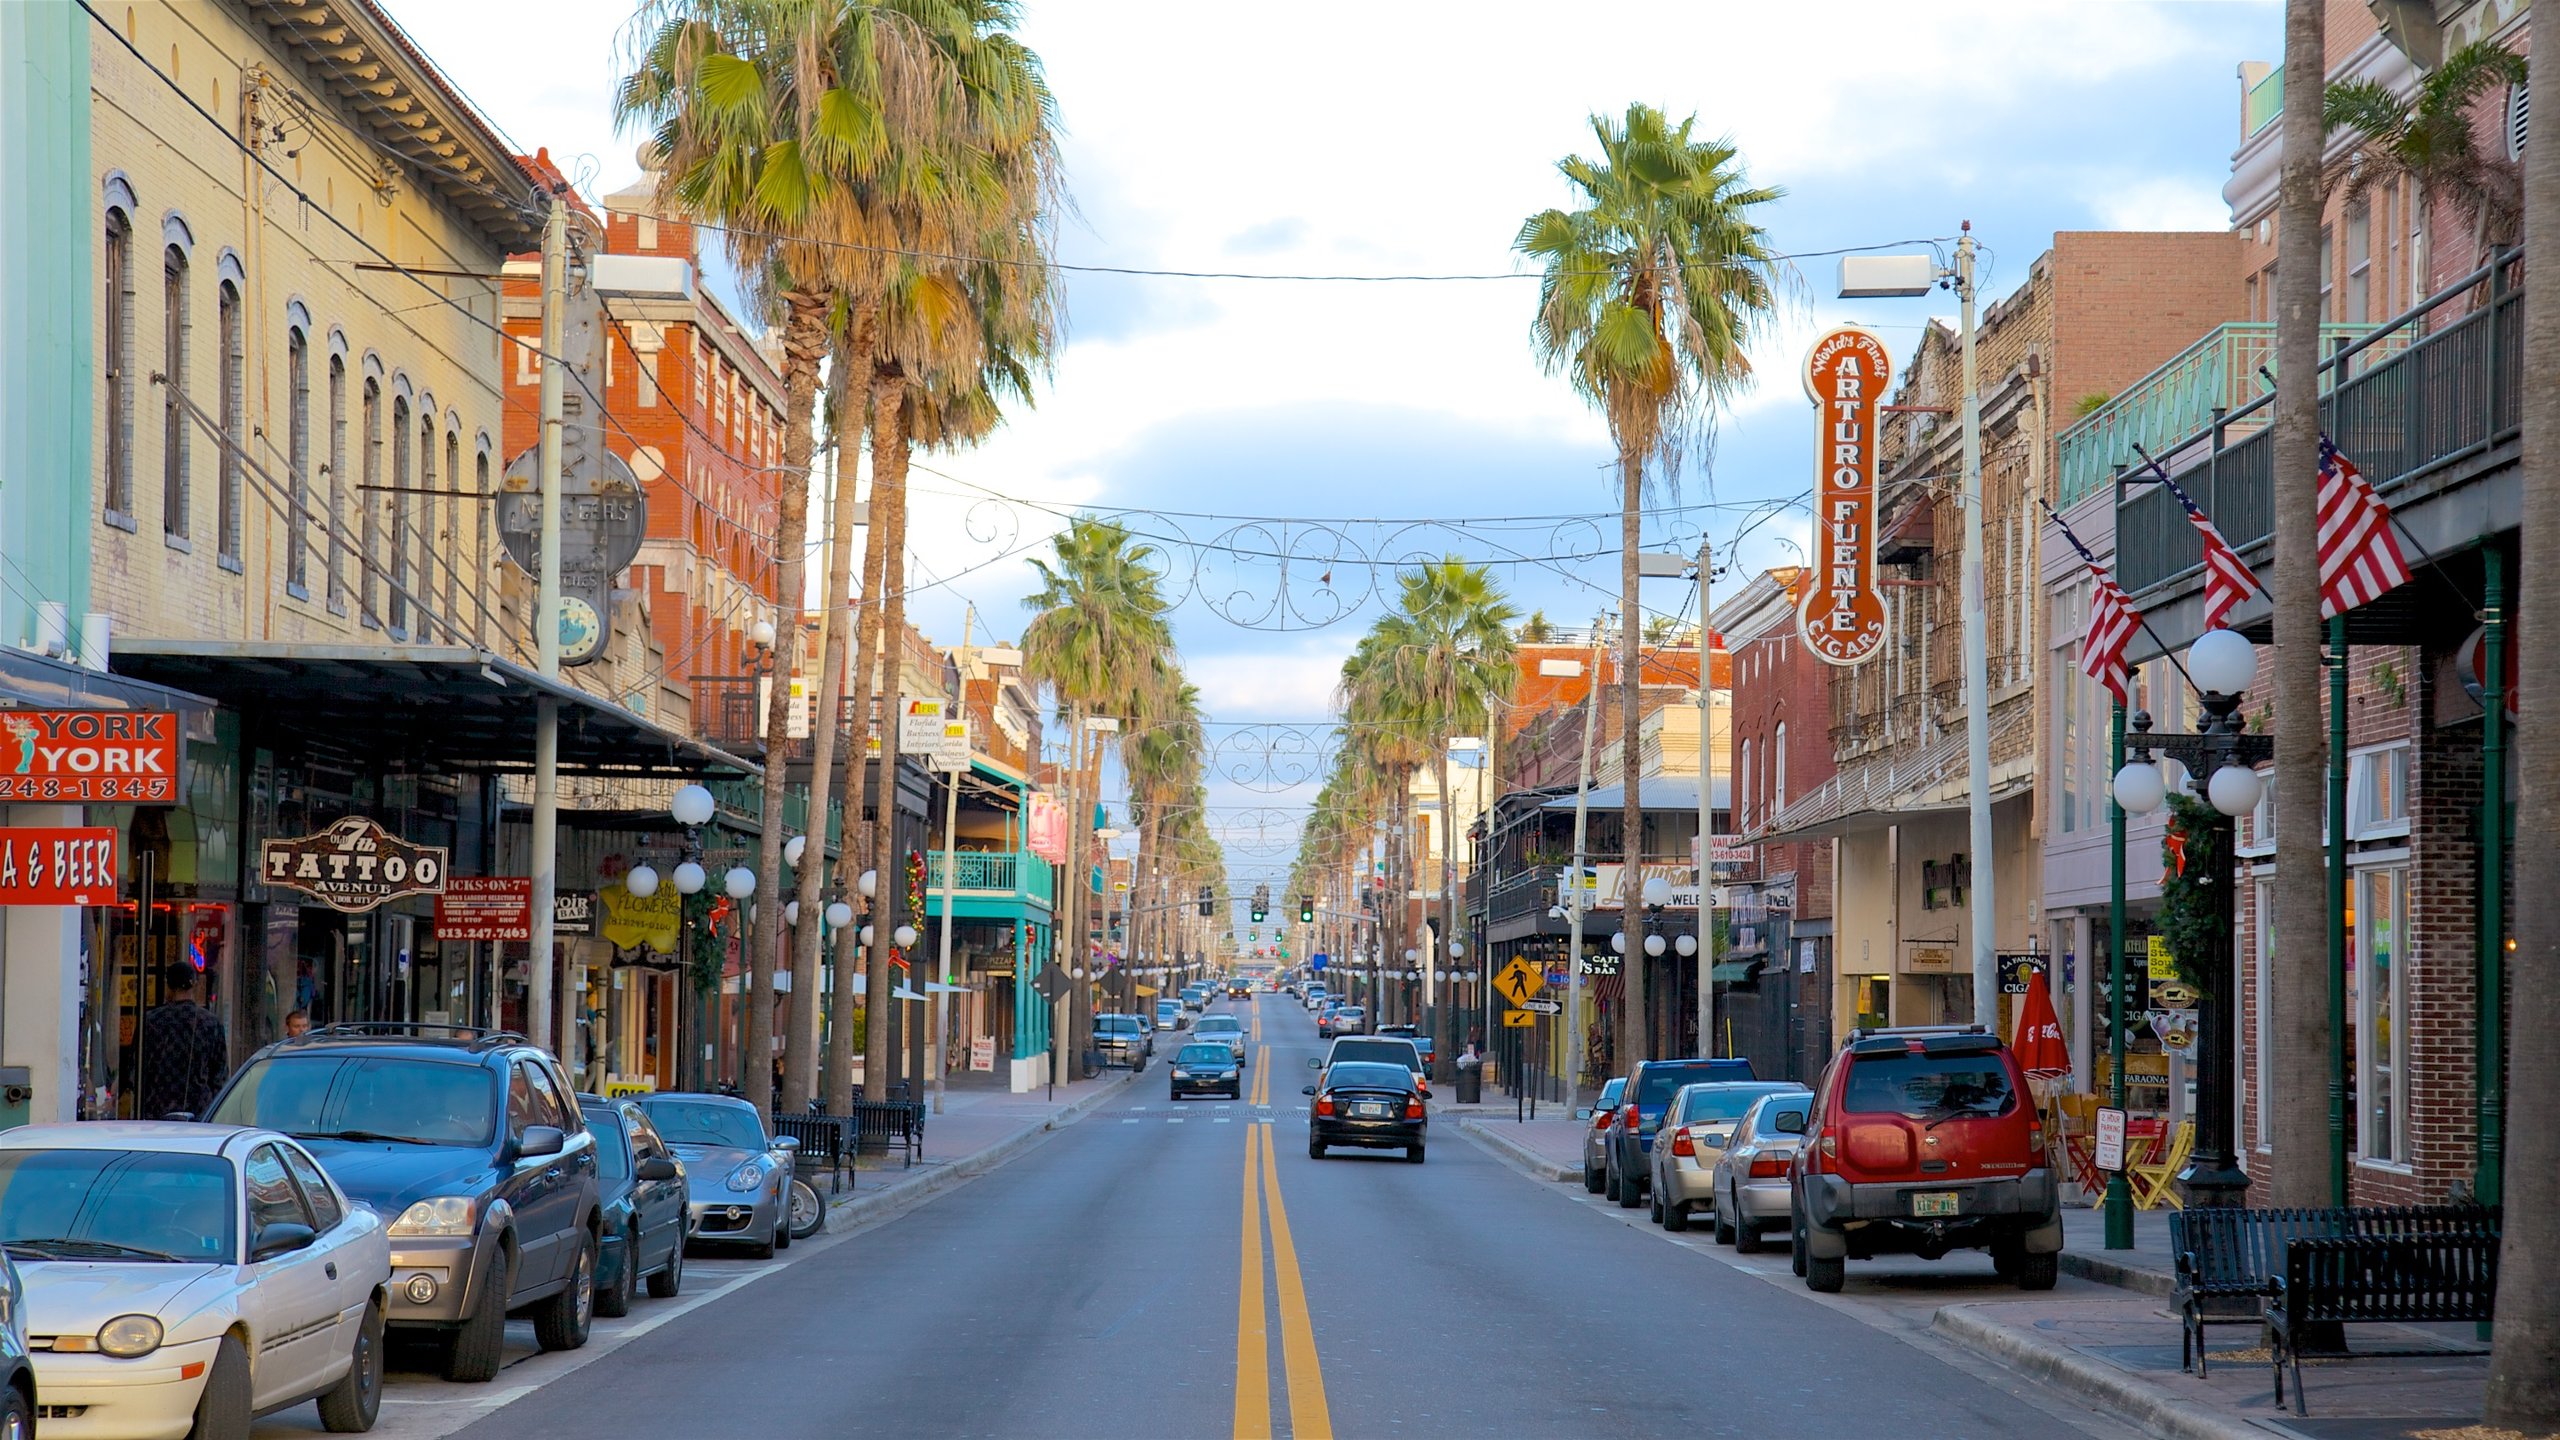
<point>1742,790</point>
<point>450,546</point>
<point>480,543</point>
<point>297,545</point>
<point>334,541</point>
<point>118,333</point>
<point>176,335</point>
<point>1778,763</point>
<point>370,542</point>
<point>234,387</point>
<point>399,517</point>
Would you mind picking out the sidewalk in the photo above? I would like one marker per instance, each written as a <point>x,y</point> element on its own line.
<point>1549,1147</point>
<point>976,1131</point>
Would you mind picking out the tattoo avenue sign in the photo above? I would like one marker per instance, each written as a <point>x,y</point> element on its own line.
<point>1842,614</point>
<point>354,865</point>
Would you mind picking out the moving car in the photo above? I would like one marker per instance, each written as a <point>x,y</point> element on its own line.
<point>1124,1040</point>
<point>1207,1067</point>
<point>470,1143</point>
<point>181,1278</point>
<point>1345,1020</point>
<point>1750,1183</point>
<point>1700,1123</point>
<point>646,1214</point>
<point>1237,989</point>
<point>1315,996</point>
<point>1386,1049</point>
<point>1925,1140</point>
<point>1650,1086</point>
<point>1601,1116</point>
<point>737,1177</point>
<point>1225,1028</point>
<point>1367,1105</point>
<point>1170,1016</point>
<point>1195,996</point>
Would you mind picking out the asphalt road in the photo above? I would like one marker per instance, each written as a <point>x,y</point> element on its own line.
<point>1162,1269</point>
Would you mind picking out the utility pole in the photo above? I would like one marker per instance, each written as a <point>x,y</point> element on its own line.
<point>1575,1060</point>
<point>539,1023</point>
<point>1706,803</point>
<point>1977,666</point>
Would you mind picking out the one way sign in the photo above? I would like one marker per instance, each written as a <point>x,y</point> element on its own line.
<point>1543,1006</point>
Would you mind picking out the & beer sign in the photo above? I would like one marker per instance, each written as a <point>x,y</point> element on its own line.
<point>58,865</point>
<point>1842,614</point>
<point>355,865</point>
<point>127,757</point>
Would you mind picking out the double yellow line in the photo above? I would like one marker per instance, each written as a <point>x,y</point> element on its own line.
<point>1309,1416</point>
<point>1259,1093</point>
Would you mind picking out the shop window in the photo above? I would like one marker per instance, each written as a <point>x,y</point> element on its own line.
<point>2378,793</point>
<point>2380,980</point>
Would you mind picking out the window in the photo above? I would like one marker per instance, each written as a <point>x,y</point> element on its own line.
<point>334,542</point>
<point>234,384</point>
<point>452,543</point>
<point>548,1108</point>
<point>1778,769</point>
<point>2258,835</point>
<point>2328,278</point>
<point>422,534</point>
<point>315,1188</point>
<point>2264,893</point>
<point>397,519</point>
<point>2380,983</point>
<point>2394,286</point>
<point>1743,790</point>
<point>370,542</point>
<point>176,333</point>
<point>272,1198</point>
<point>2359,223</point>
<point>480,544</point>
<point>297,364</point>
<point>2378,792</point>
<point>118,332</point>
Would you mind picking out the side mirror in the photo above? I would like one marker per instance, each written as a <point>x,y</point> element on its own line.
<point>1306,1089</point>
<point>541,1140</point>
<point>281,1238</point>
<point>1582,1114</point>
<point>1789,1122</point>
<point>1718,1141</point>
<point>786,1142</point>
<point>1315,1062</point>
<point>658,1167</point>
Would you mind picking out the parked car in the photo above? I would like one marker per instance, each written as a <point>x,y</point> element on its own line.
<point>737,1175</point>
<point>1600,1116</point>
<point>1750,1181</point>
<point>1315,998</point>
<point>1420,1037</point>
<point>1650,1086</point>
<point>1386,1049</point>
<point>1925,1140</point>
<point>647,1217</point>
<point>1348,1020</point>
<point>180,1279</point>
<point>17,1371</point>
<point>1124,1040</point>
<point>1206,1067</point>
<point>1700,1124</point>
<point>1225,1029</point>
<point>470,1143</point>
<point>1367,1105</point>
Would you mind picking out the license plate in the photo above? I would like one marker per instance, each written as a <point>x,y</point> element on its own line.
<point>1934,1202</point>
<point>1370,1112</point>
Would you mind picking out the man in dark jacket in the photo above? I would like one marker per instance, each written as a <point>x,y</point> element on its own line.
<point>184,1057</point>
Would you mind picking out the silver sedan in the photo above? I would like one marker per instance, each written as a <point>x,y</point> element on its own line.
<point>737,1177</point>
<point>1696,1131</point>
<point>1750,1178</point>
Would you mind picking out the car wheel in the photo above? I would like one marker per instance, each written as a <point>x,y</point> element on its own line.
<point>1675,1216</point>
<point>666,1283</point>
<point>808,1212</point>
<point>471,1357</point>
<point>1654,1211</point>
<point>1725,1234</point>
<point>615,1300</point>
<point>782,1224</point>
<point>1315,1148</point>
<point>1630,1189</point>
<point>562,1322</point>
<point>1825,1277</point>
<point>352,1405</point>
<point>1746,1237</point>
<point>2038,1272</point>
<point>1795,1241</point>
<point>1413,1154</point>
<point>1592,1180</point>
<point>17,1416</point>
<point>222,1408</point>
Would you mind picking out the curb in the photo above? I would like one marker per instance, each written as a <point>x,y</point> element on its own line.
<point>2100,1384</point>
<point>2136,1278</point>
<point>865,1207</point>
<point>1519,1156</point>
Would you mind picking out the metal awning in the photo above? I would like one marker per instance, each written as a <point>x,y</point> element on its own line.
<point>1734,972</point>
<point>30,681</point>
<point>432,708</point>
<point>1653,792</point>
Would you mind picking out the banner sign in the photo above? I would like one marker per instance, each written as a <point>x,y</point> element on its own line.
<point>1842,614</point>
<point>355,865</point>
<point>126,757</point>
<point>58,865</point>
<point>485,907</point>
<point>650,921</point>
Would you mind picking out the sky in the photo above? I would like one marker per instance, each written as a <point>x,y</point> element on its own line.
<point>1351,426</point>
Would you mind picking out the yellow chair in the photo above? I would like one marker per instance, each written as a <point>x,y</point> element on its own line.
<point>2155,1185</point>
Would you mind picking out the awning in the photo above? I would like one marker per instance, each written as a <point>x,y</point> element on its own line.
<point>1735,972</point>
<point>29,681</point>
<point>434,708</point>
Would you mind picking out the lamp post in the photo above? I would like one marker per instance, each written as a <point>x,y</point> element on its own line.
<point>2221,664</point>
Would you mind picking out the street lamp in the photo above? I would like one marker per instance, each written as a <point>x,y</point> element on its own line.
<point>2221,665</point>
<point>692,807</point>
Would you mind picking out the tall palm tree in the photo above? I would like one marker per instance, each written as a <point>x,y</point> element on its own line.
<point>1163,764</point>
<point>2524,1376</point>
<point>2428,137</point>
<point>1654,285</point>
<point>763,115</point>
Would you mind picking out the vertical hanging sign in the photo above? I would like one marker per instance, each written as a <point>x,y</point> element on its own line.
<point>1842,615</point>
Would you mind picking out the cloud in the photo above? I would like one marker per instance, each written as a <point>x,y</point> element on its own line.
<point>1282,234</point>
<point>2163,202</point>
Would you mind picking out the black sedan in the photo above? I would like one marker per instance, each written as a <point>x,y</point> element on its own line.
<point>1208,1068</point>
<point>1368,1105</point>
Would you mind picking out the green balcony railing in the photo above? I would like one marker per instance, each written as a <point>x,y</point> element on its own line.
<point>1015,873</point>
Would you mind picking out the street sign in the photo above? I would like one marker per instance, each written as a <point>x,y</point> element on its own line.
<point>1519,980</point>
<point>70,757</point>
<point>1053,983</point>
<point>1543,1006</point>
<point>2110,1138</point>
<point>1518,1019</point>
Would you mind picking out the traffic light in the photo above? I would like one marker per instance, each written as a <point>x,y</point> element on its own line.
<point>1208,902</point>
<point>1306,909</point>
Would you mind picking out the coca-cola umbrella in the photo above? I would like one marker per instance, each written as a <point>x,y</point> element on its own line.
<point>2039,1045</point>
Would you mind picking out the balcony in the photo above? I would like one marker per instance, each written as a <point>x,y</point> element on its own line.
<point>2216,375</point>
<point>2263,102</point>
<point>990,884</point>
<point>727,712</point>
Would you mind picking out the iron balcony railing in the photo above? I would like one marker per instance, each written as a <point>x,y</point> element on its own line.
<point>728,711</point>
<point>2435,387</point>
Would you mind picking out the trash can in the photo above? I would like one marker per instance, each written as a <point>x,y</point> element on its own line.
<point>1470,1082</point>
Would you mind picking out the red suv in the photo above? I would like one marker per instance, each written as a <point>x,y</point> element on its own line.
<point>1925,1140</point>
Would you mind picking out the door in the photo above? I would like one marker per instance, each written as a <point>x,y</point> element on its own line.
<point>547,1216</point>
<point>290,1301</point>
<point>356,1271</point>
<point>661,1204</point>
<point>531,1180</point>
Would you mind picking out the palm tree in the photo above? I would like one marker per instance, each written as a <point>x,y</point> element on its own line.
<point>1162,760</point>
<point>1653,287</point>
<point>2429,138</point>
<point>2524,1378</point>
<point>763,115</point>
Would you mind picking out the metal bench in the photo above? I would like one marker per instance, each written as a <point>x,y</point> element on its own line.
<point>882,1124</point>
<point>2226,1259</point>
<point>826,1144</point>
<point>2371,1279</point>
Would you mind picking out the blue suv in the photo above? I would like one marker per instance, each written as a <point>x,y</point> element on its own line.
<point>1649,1088</point>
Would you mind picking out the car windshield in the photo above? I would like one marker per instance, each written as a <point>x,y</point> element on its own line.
<point>1218,1024</point>
<point>694,1122</point>
<point>1353,1010</point>
<point>1661,1082</point>
<point>1929,1087</point>
<point>1383,1051</point>
<point>1721,1103</point>
<point>1114,1024</point>
<point>116,1205</point>
<point>1205,1055</point>
<point>1367,1075</point>
<point>321,1096</point>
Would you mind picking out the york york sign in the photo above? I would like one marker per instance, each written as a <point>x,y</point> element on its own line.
<point>354,865</point>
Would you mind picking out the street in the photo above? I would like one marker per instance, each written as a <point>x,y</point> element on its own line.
<point>1106,1283</point>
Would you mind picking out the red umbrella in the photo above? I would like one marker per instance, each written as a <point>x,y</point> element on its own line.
<point>2039,1044</point>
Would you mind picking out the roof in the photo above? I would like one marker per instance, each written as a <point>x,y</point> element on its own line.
<point>448,708</point>
<point>691,1097</point>
<point>38,682</point>
<point>1653,792</point>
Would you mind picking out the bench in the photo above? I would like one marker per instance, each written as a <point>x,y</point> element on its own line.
<point>881,1124</point>
<point>2226,1259</point>
<point>826,1144</point>
<point>2370,1279</point>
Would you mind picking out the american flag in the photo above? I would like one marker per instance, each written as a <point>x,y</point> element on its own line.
<point>2112,621</point>
<point>2359,553</point>
<point>2227,580</point>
